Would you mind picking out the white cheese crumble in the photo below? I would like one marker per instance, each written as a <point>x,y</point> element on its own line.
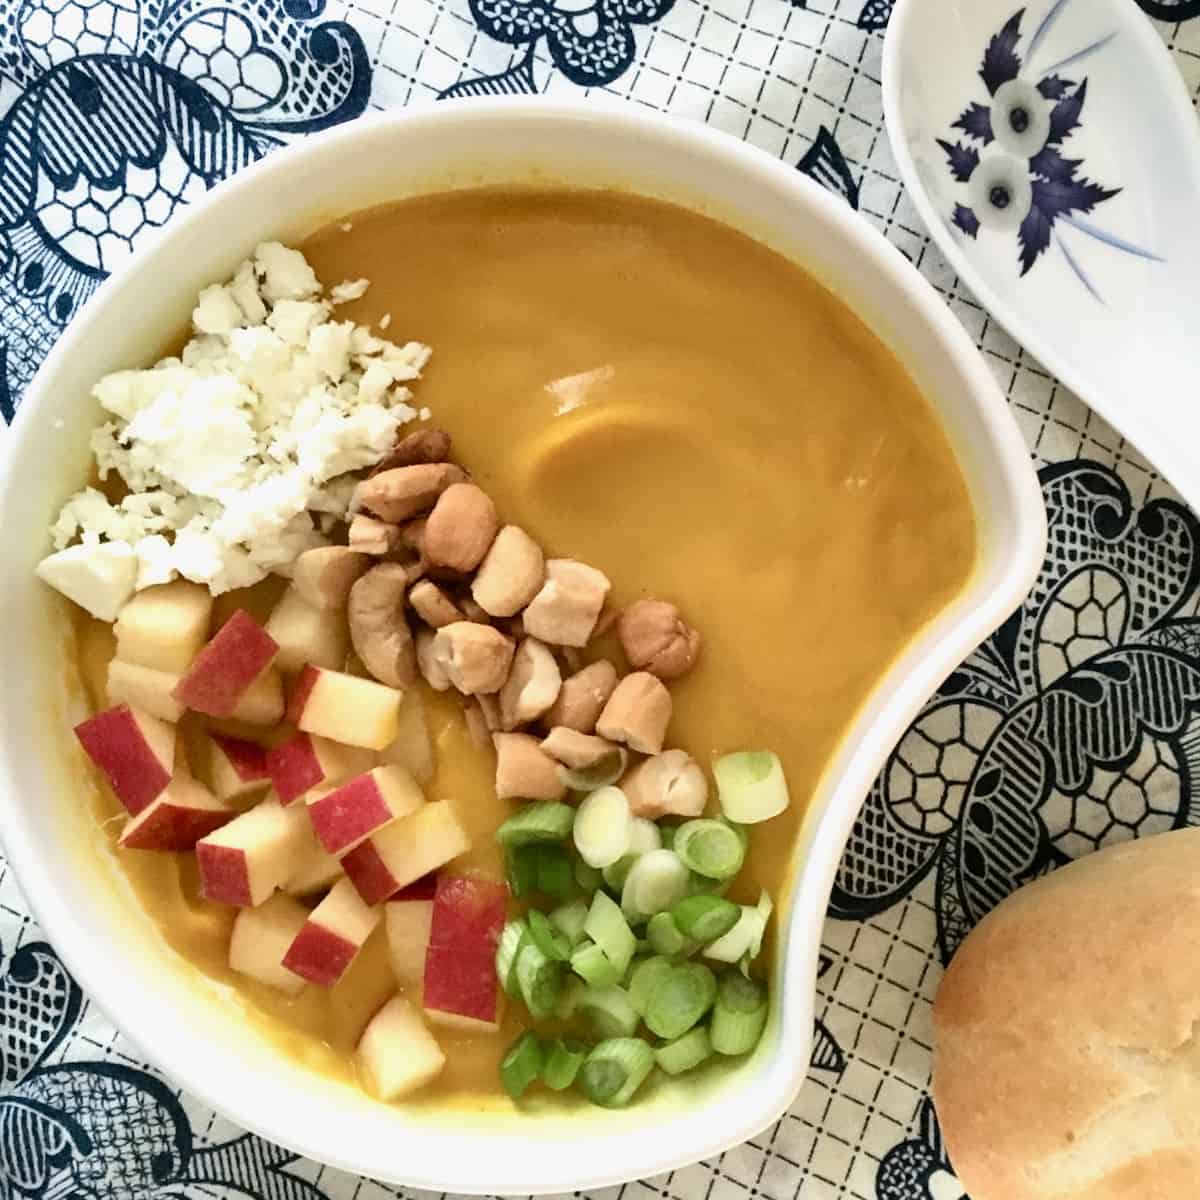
<point>234,453</point>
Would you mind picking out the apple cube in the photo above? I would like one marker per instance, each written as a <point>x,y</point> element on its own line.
<point>135,751</point>
<point>345,708</point>
<point>144,688</point>
<point>347,814</point>
<point>183,813</point>
<point>305,761</point>
<point>333,934</point>
<point>236,768</point>
<point>411,747</point>
<point>307,635</point>
<point>397,1053</point>
<point>243,862</point>
<point>224,670</point>
<point>262,703</point>
<point>164,627</point>
<point>261,938</point>
<point>461,989</point>
<point>405,850</point>
<point>407,923</point>
<point>315,870</point>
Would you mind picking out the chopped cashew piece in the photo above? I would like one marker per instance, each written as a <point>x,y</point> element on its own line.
<point>424,446</point>
<point>324,576</point>
<point>532,685</point>
<point>657,639</point>
<point>477,727</point>
<point>565,610</point>
<point>637,713</point>
<point>461,528</point>
<point>490,707</point>
<point>428,665</point>
<point>511,574</point>
<point>378,630</point>
<point>475,658</point>
<point>412,534</point>
<point>524,771</point>
<point>405,492</point>
<point>369,536</point>
<point>575,749</point>
<point>432,605</point>
<point>473,611</point>
<point>671,783</point>
<point>583,696</point>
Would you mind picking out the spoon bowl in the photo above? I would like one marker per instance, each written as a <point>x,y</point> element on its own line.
<point>1054,154</point>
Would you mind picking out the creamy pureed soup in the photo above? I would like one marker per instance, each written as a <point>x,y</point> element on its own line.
<point>657,395</point>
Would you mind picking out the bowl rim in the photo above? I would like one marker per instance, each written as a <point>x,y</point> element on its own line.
<point>812,881</point>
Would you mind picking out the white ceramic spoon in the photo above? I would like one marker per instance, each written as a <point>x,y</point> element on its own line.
<point>1054,153</point>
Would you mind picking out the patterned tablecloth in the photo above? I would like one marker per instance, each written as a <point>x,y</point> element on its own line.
<point>1076,726</point>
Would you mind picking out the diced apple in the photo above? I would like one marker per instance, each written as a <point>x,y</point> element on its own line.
<point>236,768</point>
<point>183,813</point>
<point>397,1052</point>
<point>331,937</point>
<point>224,670</point>
<point>135,751</point>
<point>424,888</point>
<point>306,634</point>
<point>316,870</point>
<point>144,688</point>
<point>406,850</point>
<point>164,627</point>
<point>355,810</point>
<point>407,923</point>
<point>411,747</point>
<point>261,938</point>
<point>245,861</point>
<point>307,760</point>
<point>98,576</point>
<point>460,967</point>
<point>262,703</point>
<point>345,708</point>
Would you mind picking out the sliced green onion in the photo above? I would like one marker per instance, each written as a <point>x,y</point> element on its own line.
<point>540,980</point>
<point>569,920</point>
<point>710,848</point>
<point>705,918</point>
<point>593,966</point>
<point>537,824</point>
<point>609,1011</point>
<point>655,882</point>
<point>644,978</point>
<point>605,770</point>
<point>751,786</point>
<point>666,834</point>
<point>616,873</point>
<point>680,1000</point>
<point>665,937</point>
<point>514,935</point>
<point>555,874</point>
<point>603,829</point>
<point>607,927</point>
<point>614,1071</point>
<point>589,878</point>
<point>646,837</point>
<point>739,1015</point>
<point>522,1064</point>
<point>685,1053</point>
<point>569,998</point>
<point>522,870</point>
<point>699,886</point>
<point>562,1063</point>
<point>744,938</point>
<point>548,940</point>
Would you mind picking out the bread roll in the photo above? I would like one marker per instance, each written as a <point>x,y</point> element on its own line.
<point>1067,1061</point>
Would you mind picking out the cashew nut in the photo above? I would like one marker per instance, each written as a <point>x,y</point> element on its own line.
<point>430,668</point>
<point>461,528</point>
<point>657,639</point>
<point>669,783</point>
<point>511,573</point>
<point>532,685</point>
<point>565,610</point>
<point>378,630</point>
<point>405,492</point>
<point>432,605</point>
<point>423,446</point>
<point>637,713</point>
<point>475,658</point>
<point>324,575</point>
<point>583,696</point>
<point>369,536</point>
<point>587,762</point>
<point>524,771</point>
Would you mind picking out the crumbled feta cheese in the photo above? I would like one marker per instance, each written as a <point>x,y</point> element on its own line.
<point>236,453</point>
<point>350,289</point>
<point>385,320</point>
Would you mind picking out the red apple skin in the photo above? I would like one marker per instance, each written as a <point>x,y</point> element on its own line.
<point>460,966</point>
<point>371,876</point>
<point>224,670</point>
<point>224,877</point>
<point>115,744</point>
<point>248,760</point>
<point>345,816</point>
<point>301,690</point>
<point>167,826</point>
<point>320,955</point>
<point>424,888</point>
<point>294,768</point>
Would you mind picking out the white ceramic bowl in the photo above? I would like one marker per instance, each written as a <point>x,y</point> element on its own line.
<point>82,902</point>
